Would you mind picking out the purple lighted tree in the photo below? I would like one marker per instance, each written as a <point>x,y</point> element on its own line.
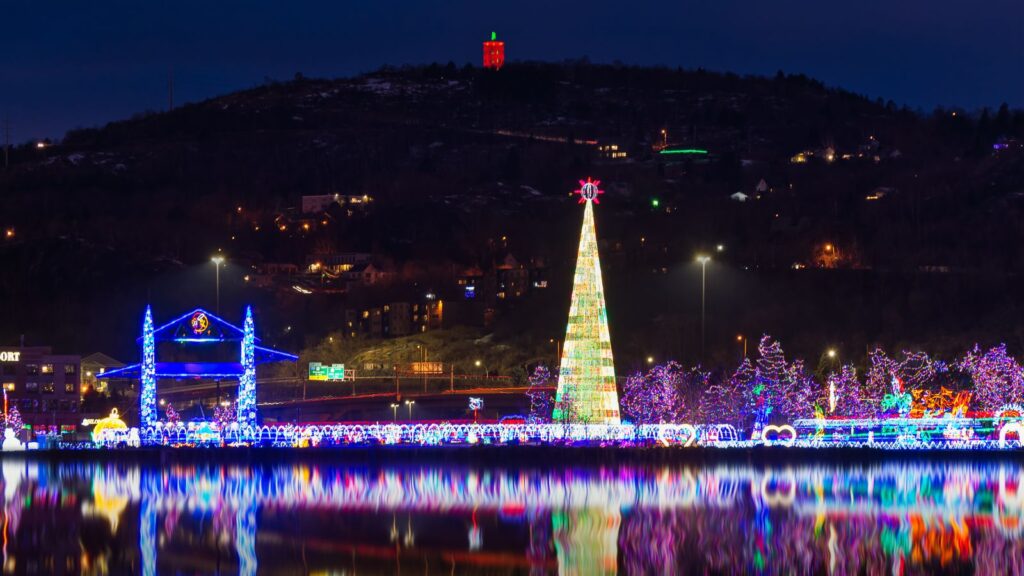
<point>843,395</point>
<point>731,401</point>
<point>223,416</point>
<point>655,397</point>
<point>998,378</point>
<point>783,391</point>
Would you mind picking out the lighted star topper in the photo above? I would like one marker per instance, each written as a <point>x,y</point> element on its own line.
<point>588,190</point>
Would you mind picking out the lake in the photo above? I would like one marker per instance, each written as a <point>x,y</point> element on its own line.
<point>433,514</point>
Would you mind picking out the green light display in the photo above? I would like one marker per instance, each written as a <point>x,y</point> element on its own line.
<point>693,151</point>
<point>586,376</point>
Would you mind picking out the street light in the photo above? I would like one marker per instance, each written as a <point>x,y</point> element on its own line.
<point>394,412</point>
<point>743,339</point>
<point>703,259</point>
<point>218,260</point>
<point>408,404</point>
<point>831,353</point>
<point>650,359</point>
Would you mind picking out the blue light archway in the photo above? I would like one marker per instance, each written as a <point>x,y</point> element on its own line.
<point>196,328</point>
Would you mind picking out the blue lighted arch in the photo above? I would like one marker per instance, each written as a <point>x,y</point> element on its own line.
<point>196,328</point>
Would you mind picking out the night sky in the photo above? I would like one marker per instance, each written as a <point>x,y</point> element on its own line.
<point>72,64</point>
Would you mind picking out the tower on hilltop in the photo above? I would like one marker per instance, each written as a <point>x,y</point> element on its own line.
<point>494,53</point>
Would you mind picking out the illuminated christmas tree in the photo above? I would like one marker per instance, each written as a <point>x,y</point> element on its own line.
<point>147,395</point>
<point>586,376</point>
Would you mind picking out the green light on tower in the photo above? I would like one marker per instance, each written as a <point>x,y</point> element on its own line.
<point>586,376</point>
<point>494,36</point>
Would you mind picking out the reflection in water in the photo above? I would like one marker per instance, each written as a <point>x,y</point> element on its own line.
<point>886,518</point>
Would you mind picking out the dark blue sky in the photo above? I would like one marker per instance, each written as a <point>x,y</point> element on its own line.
<point>69,64</point>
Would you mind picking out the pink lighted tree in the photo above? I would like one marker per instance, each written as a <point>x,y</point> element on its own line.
<point>997,377</point>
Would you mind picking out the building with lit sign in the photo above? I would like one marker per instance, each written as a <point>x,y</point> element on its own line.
<point>44,386</point>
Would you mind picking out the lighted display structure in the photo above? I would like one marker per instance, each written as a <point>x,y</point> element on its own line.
<point>494,53</point>
<point>195,330</point>
<point>586,375</point>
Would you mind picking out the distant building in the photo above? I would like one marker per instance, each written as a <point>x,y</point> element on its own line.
<point>611,151</point>
<point>394,319</point>
<point>513,278</point>
<point>368,274</point>
<point>494,53</point>
<point>96,364</point>
<point>44,386</point>
<point>319,203</point>
<point>336,263</point>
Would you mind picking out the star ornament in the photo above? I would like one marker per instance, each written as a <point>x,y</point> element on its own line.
<point>589,191</point>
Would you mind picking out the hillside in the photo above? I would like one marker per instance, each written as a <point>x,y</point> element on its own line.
<point>874,223</point>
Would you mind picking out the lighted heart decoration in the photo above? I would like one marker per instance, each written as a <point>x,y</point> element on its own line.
<point>684,434</point>
<point>772,434</point>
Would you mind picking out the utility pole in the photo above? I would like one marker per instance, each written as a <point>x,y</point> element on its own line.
<point>7,141</point>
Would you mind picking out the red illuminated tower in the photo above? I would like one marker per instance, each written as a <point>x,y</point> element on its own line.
<point>494,53</point>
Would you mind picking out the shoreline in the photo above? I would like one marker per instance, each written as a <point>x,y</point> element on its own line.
<point>514,455</point>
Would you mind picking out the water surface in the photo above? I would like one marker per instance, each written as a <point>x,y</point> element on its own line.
<point>143,517</point>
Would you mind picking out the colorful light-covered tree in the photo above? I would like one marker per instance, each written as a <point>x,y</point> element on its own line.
<point>783,391</point>
<point>540,399</point>
<point>224,415</point>
<point>997,377</point>
<point>879,380</point>
<point>916,370</point>
<point>14,421</point>
<point>732,400</point>
<point>843,394</point>
<point>795,393</point>
<point>172,415</point>
<point>655,397</point>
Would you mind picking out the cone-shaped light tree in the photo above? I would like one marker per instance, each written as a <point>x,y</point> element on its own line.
<point>586,376</point>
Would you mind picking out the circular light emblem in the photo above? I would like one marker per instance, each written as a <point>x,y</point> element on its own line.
<point>200,322</point>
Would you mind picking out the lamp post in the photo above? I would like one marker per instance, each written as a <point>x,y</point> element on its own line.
<point>703,289</point>
<point>217,261</point>
<point>394,412</point>
<point>409,404</point>
<point>743,339</point>
<point>487,373</point>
